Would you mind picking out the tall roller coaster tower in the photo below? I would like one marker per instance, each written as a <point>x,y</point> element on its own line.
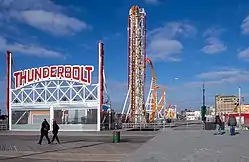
<point>137,62</point>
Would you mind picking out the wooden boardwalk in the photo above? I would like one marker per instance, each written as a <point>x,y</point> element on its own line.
<point>96,147</point>
<point>165,146</point>
<point>193,146</point>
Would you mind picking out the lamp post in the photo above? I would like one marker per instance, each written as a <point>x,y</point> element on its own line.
<point>203,108</point>
<point>239,107</point>
<point>109,117</point>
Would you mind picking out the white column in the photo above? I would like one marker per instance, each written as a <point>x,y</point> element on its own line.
<point>99,90</point>
<point>51,110</point>
<point>10,92</point>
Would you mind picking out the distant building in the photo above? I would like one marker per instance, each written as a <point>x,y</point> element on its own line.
<point>189,114</point>
<point>210,110</point>
<point>225,104</point>
<point>193,115</point>
<point>183,114</point>
<point>244,109</point>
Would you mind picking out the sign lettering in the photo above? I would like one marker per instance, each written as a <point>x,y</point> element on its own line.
<point>75,73</point>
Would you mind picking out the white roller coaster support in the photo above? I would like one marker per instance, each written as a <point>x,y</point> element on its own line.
<point>105,89</point>
<point>160,113</point>
<point>148,100</point>
<point>147,104</point>
<point>125,103</point>
<point>127,113</point>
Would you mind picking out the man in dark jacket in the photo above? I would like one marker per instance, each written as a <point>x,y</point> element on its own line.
<point>55,132</point>
<point>232,123</point>
<point>45,127</point>
<point>218,123</point>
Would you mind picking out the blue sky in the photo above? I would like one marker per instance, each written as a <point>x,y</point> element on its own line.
<point>194,41</point>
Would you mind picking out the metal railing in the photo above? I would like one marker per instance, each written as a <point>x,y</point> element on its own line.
<point>4,125</point>
<point>176,125</point>
<point>147,125</point>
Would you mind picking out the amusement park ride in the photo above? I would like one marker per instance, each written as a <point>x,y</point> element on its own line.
<point>135,107</point>
<point>62,91</point>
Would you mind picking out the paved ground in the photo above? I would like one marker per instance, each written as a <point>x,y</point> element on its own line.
<point>193,146</point>
<point>167,146</point>
<point>77,134</point>
<point>97,147</point>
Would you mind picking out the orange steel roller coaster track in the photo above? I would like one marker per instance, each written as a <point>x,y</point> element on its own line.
<point>155,107</point>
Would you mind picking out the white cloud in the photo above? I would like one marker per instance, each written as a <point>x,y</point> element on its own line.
<point>214,32</point>
<point>86,46</point>
<point>213,42</point>
<point>29,49</point>
<point>55,23</point>
<point>114,86</point>
<point>165,49</point>
<point>219,74</point>
<point>152,1</point>
<point>220,80</point>
<point>245,26</point>
<point>43,15</point>
<point>225,75</point>
<point>111,36</point>
<point>173,29</point>
<point>244,54</point>
<point>214,45</point>
<point>163,43</point>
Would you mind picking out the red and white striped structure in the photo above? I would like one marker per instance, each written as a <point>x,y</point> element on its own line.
<point>55,92</point>
<point>137,62</point>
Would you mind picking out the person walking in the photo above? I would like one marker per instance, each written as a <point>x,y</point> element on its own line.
<point>45,127</point>
<point>218,125</point>
<point>55,132</point>
<point>232,123</point>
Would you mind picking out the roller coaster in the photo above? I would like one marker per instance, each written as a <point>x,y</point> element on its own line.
<point>155,106</point>
<point>134,108</point>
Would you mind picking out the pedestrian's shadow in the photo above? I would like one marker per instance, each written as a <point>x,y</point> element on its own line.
<point>73,141</point>
<point>222,133</point>
<point>44,152</point>
<point>236,133</point>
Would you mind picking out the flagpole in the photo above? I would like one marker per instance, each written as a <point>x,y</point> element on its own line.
<point>239,107</point>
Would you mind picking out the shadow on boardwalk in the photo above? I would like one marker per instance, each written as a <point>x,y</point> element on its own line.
<point>74,148</point>
<point>193,146</point>
<point>44,152</point>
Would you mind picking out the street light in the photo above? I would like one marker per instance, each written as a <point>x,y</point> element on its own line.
<point>109,114</point>
<point>239,107</point>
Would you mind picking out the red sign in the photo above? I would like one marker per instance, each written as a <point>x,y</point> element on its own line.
<point>75,73</point>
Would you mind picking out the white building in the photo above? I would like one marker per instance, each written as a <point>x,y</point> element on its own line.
<point>193,115</point>
<point>54,93</point>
